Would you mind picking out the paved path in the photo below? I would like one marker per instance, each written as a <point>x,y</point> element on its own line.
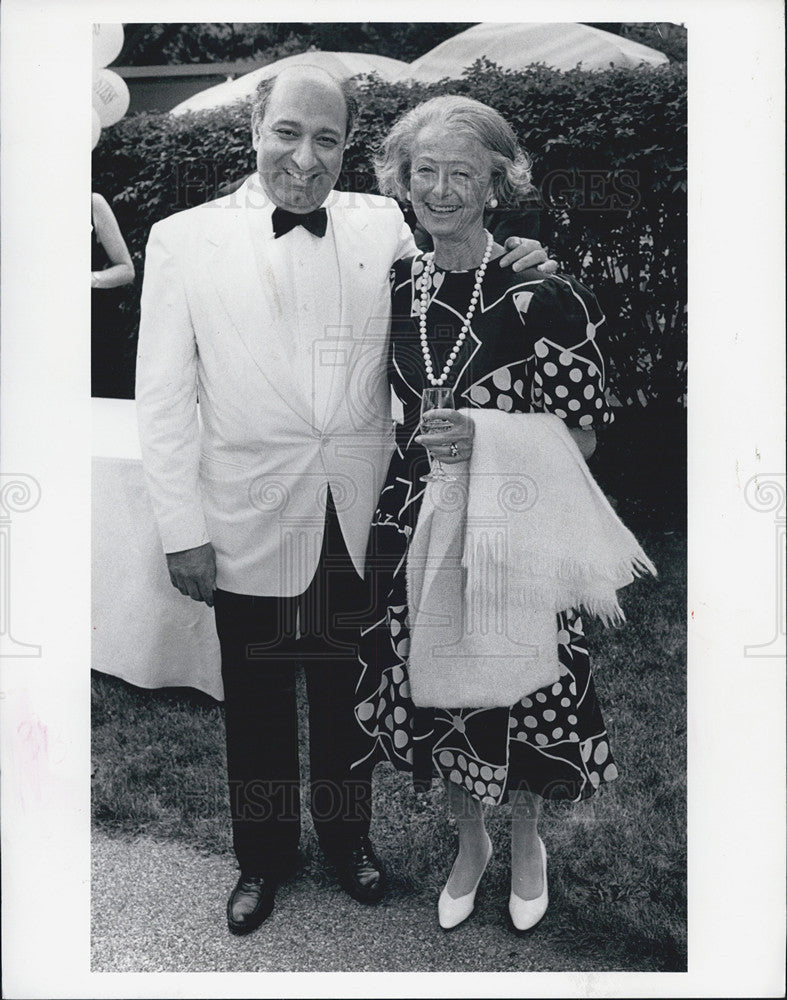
<point>159,907</point>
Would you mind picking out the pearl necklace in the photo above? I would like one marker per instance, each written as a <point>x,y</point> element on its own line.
<point>424,306</point>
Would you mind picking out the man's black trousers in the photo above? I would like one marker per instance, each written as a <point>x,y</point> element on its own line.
<point>259,658</point>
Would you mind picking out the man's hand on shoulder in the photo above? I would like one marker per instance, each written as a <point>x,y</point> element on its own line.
<point>522,253</point>
<point>193,572</point>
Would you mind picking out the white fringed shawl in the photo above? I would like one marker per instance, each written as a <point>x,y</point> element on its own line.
<point>523,533</point>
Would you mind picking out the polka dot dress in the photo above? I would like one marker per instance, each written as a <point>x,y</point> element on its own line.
<point>532,347</point>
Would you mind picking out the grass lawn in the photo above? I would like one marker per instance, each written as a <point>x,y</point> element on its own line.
<point>617,861</point>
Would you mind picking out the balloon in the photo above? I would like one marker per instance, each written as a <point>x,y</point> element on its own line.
<point>110,97</point>
<point>96,129</point>
<point>107,43</point>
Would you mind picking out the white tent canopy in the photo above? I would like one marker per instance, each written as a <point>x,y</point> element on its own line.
<point>516,46</point>
<point>341,65</point>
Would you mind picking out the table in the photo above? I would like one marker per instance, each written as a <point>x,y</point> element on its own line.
<point>144,630</point>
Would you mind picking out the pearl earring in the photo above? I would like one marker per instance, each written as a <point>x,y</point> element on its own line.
<point>493,202</point>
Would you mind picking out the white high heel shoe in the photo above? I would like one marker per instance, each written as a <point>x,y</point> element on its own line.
<point>525,913</point>
<point>451,912</point>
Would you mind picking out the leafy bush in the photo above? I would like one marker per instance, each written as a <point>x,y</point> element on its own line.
<point>609,158</point>
<point>148,44</point>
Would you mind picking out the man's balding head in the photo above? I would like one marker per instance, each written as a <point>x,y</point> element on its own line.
<point>317,75</point>
<point>299,130</point>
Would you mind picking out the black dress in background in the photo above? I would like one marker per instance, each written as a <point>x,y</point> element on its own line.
<point>112,359</point>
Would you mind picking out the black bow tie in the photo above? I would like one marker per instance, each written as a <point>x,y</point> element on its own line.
<point>283,221</point>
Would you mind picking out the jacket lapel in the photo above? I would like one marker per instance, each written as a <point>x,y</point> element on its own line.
<point>344,343</point>
<point>247,290</point>
<point>357,301</point>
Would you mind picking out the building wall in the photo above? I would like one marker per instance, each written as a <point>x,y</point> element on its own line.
<point>160,88</point>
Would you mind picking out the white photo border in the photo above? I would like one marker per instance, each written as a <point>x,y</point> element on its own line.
<point>736,718</point>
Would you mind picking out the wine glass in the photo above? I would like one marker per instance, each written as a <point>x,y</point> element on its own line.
<point>436,397</point>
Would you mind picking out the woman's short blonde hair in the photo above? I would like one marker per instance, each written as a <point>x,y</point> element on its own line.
<point>511,174</point>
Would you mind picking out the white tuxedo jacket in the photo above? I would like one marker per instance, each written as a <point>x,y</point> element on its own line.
<point>230,452</point>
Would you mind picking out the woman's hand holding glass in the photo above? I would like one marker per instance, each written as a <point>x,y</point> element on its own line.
<point>450,435</point>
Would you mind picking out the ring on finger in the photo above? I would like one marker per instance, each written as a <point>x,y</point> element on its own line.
<point>453,450</point>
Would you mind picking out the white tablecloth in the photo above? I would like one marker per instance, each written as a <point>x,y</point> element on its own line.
<point>144,630</point>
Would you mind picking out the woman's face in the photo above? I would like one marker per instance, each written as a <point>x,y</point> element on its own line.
<point>450,183</point>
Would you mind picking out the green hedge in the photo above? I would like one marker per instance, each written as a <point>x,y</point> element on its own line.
<point>609,155</point>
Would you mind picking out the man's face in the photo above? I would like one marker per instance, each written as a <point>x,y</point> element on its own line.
<point>300,142</point>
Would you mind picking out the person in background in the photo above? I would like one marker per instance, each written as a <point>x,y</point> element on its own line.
<point>111,370</point>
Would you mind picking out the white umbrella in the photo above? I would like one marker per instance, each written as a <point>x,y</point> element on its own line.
<point>341,65</point>
<point>516,46</point>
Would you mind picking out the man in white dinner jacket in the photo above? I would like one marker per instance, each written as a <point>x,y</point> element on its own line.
<point>266,433</point>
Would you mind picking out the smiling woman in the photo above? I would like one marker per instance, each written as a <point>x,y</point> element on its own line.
<point>530,345</point>
<point>451,182</point>
<point>459,142</point>
<point>300,125</point>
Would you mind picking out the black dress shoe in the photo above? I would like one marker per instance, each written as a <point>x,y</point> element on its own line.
<point>250,903</point>
<point>360,873</point>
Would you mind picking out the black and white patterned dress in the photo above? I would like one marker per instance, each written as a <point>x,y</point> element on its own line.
<point>532,347</point>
